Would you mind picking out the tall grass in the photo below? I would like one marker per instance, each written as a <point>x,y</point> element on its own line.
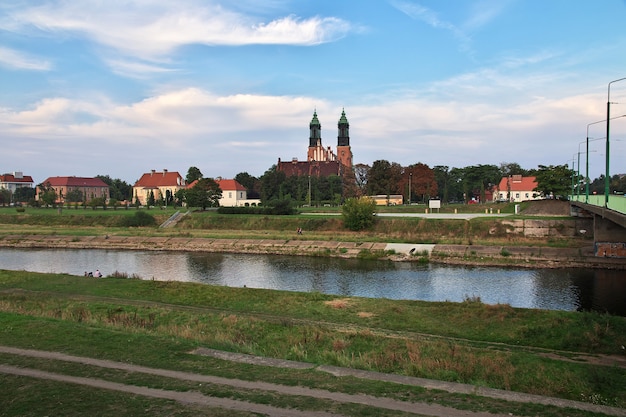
<point>496,346</point>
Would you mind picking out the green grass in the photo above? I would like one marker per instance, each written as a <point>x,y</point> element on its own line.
<point>486,231</point>
<point>493,346</point>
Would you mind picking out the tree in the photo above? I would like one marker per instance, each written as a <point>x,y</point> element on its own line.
<point>118,189</point>
<point>193,174</point>
<point>252,184</point>
<point>477,179</point>
<point>443,179</point>
<point>360,173</point>
<point>422,181</point>
<point>74,196</point>
<point>359,213</point>
<point>24,194</point>
<point>554,180</point>
<point>151,201</point>
<point>206,193</point>
<point>47,194</point>
<point>271,182</point>
<point>5,197</point>
<point>512,168</point>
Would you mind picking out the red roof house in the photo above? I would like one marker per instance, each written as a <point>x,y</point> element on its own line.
<point>516,188</point>
<point>89,187</point>
<point>14,181</point>
<point>161,184</point>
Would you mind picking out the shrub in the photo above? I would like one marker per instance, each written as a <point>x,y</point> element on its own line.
<point>359,213</point>
<point>139,219</point>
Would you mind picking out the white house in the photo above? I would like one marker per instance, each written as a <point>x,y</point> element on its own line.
<point>234,194</point>
<point>516,188</point>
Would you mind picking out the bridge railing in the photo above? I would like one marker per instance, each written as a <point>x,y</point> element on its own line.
<point>616,202</point>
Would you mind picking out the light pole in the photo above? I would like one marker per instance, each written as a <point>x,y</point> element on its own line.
<point>573,172</point>
<point>608,119</point>
<point>587,159</point>
<point>410,176</point>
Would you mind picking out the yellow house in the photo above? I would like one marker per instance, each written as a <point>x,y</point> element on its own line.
<point>161,184</point>
<point>387,200</point>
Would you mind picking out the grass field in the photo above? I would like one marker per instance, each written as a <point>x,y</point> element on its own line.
<point>157,324</point>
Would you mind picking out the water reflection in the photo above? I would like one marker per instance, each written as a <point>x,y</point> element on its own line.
<point>545,289</point>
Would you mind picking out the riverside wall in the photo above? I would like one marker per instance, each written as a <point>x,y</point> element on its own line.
<point>517,256</point>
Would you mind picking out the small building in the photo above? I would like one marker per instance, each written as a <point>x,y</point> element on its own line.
<point>387,200</point>
<point>233,193</point>
<point>15,180</point>
<point>158,184</point>
<point>90,188</point>
<point>516,188</point>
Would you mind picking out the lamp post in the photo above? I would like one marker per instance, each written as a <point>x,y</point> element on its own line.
<point>587,159</point>
<point>608,119</point>
<point>573,173</point>
<point>410,176</point>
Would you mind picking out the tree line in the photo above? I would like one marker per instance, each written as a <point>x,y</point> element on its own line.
<point>417,183</point>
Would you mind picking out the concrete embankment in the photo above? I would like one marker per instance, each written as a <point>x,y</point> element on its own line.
<point>521,256</point>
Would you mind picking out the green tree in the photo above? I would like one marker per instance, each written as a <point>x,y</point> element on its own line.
<point>193,173</point>
<point>74,196</point>
<point>271,182</point>
<point>477,179</point>
<point>252,184</point>
<point>443,179</point>
<point>512,168</point>
<point>118,189</point>
<point>24,194</point>
<point>151,200</point>
<point>206,193</point>
<point>554,180</point>
<point>359,213</point>
<point>5,197</point>
<point>47,194</point>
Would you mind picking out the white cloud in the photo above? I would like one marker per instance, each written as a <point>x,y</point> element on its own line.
<point>135,69</point>
<point>430,17</point>
<point>13,59</point>
<point>149,29</point>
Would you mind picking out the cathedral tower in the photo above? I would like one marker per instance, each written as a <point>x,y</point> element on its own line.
<point>315,135</point>
<point>344,152</point>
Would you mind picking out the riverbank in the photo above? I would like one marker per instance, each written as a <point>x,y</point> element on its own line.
<point>575,358</point>
<point>518,256</point>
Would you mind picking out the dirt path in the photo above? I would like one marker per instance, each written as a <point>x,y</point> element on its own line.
<point>201,399</point>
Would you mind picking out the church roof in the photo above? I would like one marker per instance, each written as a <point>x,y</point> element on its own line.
<point>315,120</point>
<point>343,118</point>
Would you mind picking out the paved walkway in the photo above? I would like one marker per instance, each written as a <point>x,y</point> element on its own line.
<point>202,399</point>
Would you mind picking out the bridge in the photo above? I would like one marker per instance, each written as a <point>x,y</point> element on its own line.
<point>609,222</point>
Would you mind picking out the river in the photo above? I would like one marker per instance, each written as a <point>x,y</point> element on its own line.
<point>551,289</point>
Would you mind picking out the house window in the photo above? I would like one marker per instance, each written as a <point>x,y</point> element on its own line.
<point>230,195</point>
<point>241,194</point>
<point>526,195</point>
<point>516,195</point>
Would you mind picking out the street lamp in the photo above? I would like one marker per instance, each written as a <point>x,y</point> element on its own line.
<point>410,176</point>
<point>587,159</point>
<point>608,119</point>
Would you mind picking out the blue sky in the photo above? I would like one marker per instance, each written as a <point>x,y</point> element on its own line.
<point>122,87</point>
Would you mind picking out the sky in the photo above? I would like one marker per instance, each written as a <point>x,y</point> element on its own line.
<point>121,87</point>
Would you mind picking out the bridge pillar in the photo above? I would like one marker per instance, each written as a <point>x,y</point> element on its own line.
<point>609,237</point>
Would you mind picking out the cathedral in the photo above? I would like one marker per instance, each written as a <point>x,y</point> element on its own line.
<point>321,161</point>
